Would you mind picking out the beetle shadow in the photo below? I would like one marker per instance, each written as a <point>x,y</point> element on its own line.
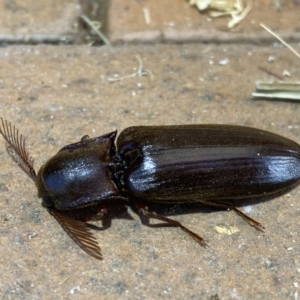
<point>92,217</point>
<point>262,199</point>
<point>168,210</point>
<point>117,209</point>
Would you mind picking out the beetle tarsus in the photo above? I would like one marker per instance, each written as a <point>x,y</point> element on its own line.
<point>248,219</point>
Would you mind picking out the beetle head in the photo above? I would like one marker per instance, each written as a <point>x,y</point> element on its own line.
<point>79,174</point>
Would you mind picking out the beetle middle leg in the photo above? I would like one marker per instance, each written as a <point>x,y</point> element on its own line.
<point>249,220</point>
<point>142,210</point>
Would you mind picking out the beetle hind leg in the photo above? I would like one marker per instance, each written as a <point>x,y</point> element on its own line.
<point>149,215</point>
<point>248,219</point>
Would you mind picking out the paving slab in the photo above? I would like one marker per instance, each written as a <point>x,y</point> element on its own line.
<point>176,21</point>
<point>47,21</point>
<point>55,95</point>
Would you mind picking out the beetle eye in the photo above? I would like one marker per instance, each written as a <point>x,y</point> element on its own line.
<point>47,201</point>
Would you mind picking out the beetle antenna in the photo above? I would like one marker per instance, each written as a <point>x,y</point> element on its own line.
<point>79,232</point>
<point>16,147</point>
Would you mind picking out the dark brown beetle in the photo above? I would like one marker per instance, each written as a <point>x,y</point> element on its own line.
<point>212,164</point>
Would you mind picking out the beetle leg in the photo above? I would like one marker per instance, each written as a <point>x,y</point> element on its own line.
<point>143,211</point>
<point>79,232</point>
<point>102,210</point>
<point>85,138</point>
<point>249,220</point>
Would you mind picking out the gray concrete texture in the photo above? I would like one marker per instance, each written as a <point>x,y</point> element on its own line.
<point>57,94</point>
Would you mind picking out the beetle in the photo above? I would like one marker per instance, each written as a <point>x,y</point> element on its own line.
<point>216,165</point>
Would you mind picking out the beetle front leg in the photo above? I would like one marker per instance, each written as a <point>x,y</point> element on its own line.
<point>249,220</point>
<point>142,209</point>
<point>102,210</point>
<point>100,213</point>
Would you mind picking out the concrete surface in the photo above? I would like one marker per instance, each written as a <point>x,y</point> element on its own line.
<point>54,95</point>
<point>57,94</point>
<point>47,21</point>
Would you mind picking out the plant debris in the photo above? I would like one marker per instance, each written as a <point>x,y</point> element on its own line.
<point>139,72</point>
<point>277,90</point>
<point>236,9</point>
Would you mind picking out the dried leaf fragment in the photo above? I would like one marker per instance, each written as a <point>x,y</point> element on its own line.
<point>277,90</point>
<point>236,9</point>
<point>226,230</point>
